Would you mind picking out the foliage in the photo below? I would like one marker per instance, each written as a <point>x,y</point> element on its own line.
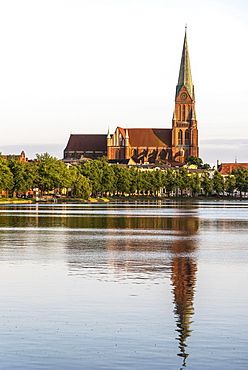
<point>197,162</point>
<point>6,177</point>
<point>100,174</point>
<point>206,184</point>
<point>218,183</point>
<point>97,177</point>
<point>195,183</point>
<point>241,178</point>
<point>194,160</point>
<point>80,186</point>
<point>182,179</point>
<point>230,184</point>
<point>24,174</point>
<point>169,180</point>
<point>51,173</point>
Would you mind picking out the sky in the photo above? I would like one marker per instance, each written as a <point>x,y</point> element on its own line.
<point>81,66</point>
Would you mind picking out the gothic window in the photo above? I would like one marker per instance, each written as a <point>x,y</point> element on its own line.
<point>180,137</point>
<point>187,137</point>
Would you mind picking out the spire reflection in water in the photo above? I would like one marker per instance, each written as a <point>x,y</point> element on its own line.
<point>183,276</point>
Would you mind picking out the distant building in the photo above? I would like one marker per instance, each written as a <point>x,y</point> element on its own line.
<point>89,146</point>
<point>225,169</point>
<point>149,145</point>
<point>20,158</point>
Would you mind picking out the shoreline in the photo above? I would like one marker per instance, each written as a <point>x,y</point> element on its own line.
<point>118,199</point>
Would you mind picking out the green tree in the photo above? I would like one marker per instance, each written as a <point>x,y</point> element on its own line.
<point>101,175</point>
<point>169,180</point>
<point>197,162</point>
<point>51,172</point>
<point>6,177</point>
<point>141,181</point>
<point>230,184</point>
<point>241,177</point>
<point>206,166</point>
<point>218,183</point>
<point>24,174</point>
<point>80,186</point>
<point>182,179</point>
<point>194,160</point>
<point>123,180</point>
<point>206,183</point>
<point>133,173</point>
<point>195,183</point>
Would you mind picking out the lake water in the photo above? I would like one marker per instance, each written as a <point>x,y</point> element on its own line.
<point>149,285</point>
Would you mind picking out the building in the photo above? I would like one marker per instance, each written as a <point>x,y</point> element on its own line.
<point>149,145</point>
<point>86,146</point>
<point>225,169</point>
<point>20,158</point>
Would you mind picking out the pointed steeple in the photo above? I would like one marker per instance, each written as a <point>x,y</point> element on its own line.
<point>108,134</point>
<point>174,115</point>
<point>126,134</point>
<point>185,77</point>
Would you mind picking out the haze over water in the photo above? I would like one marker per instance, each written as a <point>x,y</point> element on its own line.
<point>149,285</point>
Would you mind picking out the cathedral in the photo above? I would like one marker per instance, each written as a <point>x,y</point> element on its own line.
<point>148,145</point>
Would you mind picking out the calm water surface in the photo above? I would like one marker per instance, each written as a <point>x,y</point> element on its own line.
<point>160,285</point>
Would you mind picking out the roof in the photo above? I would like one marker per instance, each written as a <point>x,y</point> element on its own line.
<point>148,137</point>
<point>119,161</point>
<point>86,142</point>
<point>226,168</point>
<point>185,77</point>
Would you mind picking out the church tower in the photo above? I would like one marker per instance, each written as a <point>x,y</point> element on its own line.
<point>184,123</point>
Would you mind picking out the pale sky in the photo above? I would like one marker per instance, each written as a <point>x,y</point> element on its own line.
<point>79,66</point>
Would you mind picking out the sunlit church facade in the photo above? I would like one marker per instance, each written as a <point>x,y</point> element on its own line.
<point>148,145</point>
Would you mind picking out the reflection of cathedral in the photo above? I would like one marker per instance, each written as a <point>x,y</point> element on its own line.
<point>148,145</point>
<point>183,280</point>
<point>183,276</point>
<point>140,248</point>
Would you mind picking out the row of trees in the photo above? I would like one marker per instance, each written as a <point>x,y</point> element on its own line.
<point>97,177</point>
<point>119,180</point>
<point>46,173</point>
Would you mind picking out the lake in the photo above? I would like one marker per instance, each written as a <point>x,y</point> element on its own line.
<point>129,285</point>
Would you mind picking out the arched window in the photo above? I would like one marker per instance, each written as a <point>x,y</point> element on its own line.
<point>179,137</point>
<point>187,137</point>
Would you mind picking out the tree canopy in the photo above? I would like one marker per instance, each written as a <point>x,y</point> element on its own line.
<point>97,177</point>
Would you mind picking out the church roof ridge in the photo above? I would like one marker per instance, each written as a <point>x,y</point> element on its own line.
<point>144,128</point>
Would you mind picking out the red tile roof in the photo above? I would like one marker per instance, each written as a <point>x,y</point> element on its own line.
<point>148,137</point>
<point>226,168</point>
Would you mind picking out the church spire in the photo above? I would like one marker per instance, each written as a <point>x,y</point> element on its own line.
<point>184,122</point>
<point>185,77</point>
